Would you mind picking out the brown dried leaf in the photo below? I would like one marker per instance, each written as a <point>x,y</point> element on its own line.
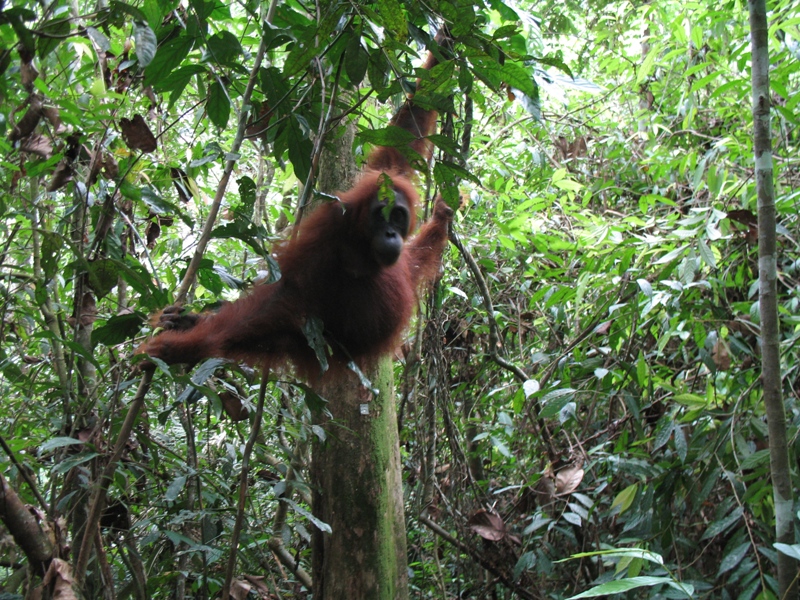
<point>258,123</point>
<point>181,181</point>
<point>488,525</point>
<point>259,583</point>
<point>37,144</point>
<point>94,170</point>
<point>61,176</point>
<point>137,134</point>
<point>152,233</point>
<point>29,120</point>
<point>110,166</point>
<point>240,590</point>
<point>51,114</point>
<point>28,75</point>
<point>568,480</point>
<point>721,355</point>
<point>233,407</point>
<point>603,328</point>
<point>59,579</point>
<point>743,216</point>
<point>545,491</point>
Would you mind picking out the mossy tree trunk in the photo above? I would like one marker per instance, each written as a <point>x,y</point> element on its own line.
<point>358,492</point>
<point>355,471</point>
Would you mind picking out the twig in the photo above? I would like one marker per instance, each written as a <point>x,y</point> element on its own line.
<point>25,475</point>
<point>494,339</point>
<point>96,507</point>
<point>199,251</point>
<point>243,486</point>
<point>477,557</point>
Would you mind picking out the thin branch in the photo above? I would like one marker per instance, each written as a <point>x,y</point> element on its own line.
<point>24,473</point>
<point>194,265</point>
<point>243,486</point>
<point>96,507</point>
<point>477,557</point>
<point>494,338</point>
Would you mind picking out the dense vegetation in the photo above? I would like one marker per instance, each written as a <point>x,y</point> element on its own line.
<point>580,401</point>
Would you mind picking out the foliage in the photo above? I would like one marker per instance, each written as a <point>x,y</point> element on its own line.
<point>604,406</point>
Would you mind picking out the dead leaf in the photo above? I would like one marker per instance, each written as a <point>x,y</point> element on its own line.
<point>152,233</point>
<point>61,176</point>
<point>240,590</point>
<point>51,114</point>
<point>488,525</point>
<point>37,144</point>
<point>545,491</point>
<point>110,166</point>
<point>181,181</point>
<point>568,480</point>
<point>259,583</point>
<point>29,120</point>
<point>137,134</point>
<point>743,216</point>
<point>233,407</point>
<point>28,75</point>
<point>721,355</point>
<point>59,579</point>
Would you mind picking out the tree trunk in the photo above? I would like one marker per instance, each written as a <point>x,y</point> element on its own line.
<point>768,301</point>
<point>359,493</point>
<point>355,472</point>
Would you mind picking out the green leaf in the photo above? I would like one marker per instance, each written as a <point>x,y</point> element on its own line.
<point>756,459</point>
<point>175,488</point>
<point>57,28</point>
<point>129,10</point>
<point>718,527</point>
<point>670,256</point>
<point>224,48</point>
<point>789,550</point>
<point>706,254</point>
<point>70,462</point>
<point>393,18</point>
<point>518,77</point>
<point>625,498</point>
<point>103,276</point>
<point>489,72</point>
<point>313,330</point>
<point>306,46</point>
<point>209,279</point>
<point>356,60</point>
<point>50,251</point>
<point>168,56</point>
<point>391,136</point>
<point>691,400</point>
<point>156,203</point>
<point>459,15</point>
<point>57,442</point>
<point>663,431</point>
<point>681,447</point>
<point>378,70</point>
<point>554,401</point>
<point>300,148</point>
<point>218,105</point>
<point>640,553</point>
<point>99,39</point>
<point>735,556</point>
<point>321,525</point>
<point>647,64</point>
<point>118,329</point>
<point>178,78</point>
<point>624,585</point>
<point>146,43</point>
